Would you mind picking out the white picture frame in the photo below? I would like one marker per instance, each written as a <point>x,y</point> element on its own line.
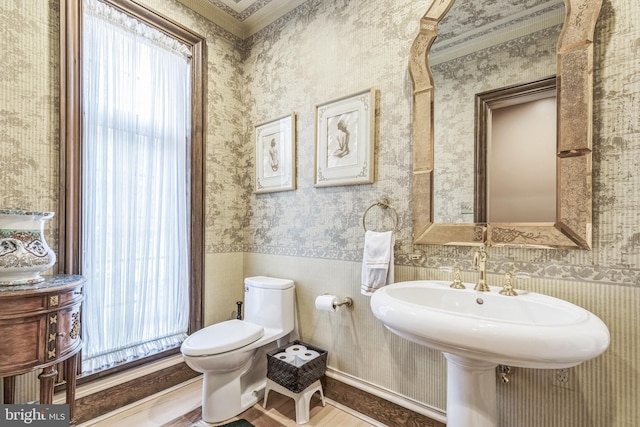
<point>344,140</point>
<point>275,155</point>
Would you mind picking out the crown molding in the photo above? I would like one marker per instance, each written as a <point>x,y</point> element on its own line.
<point>232,22</point>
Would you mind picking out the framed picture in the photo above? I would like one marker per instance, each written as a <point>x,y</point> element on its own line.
<point>275,155</point>
<point>345,140</point>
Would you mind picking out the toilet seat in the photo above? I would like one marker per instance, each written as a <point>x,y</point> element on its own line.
<point>221,337</point>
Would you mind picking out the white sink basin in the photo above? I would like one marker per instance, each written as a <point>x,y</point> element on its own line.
<point>480,330</point>
<point>530,330</point>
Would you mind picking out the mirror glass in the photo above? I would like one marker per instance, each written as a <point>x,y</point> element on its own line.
<point>482,47</point>
<point>519,142</point>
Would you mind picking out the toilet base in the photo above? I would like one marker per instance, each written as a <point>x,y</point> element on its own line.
<point>233,381</point>
<point>227,394</point>
<point>222,397</point>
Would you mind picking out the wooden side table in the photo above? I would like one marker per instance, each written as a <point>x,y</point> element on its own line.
<point>40,327</point>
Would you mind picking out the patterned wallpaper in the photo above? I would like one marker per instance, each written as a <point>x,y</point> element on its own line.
<point>323,50</point>
<point>327,49</point>
<point>29,99</point>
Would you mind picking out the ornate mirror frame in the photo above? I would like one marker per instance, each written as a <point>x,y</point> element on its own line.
<point>574,79</point>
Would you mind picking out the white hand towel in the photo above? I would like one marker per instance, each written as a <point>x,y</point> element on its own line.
<point>377,261</point>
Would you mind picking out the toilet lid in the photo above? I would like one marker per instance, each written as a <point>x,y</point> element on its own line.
<point>221,337</point>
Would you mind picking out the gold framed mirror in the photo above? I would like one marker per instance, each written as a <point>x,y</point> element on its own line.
<point>572,227</point>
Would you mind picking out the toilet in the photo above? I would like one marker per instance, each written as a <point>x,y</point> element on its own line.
<point>232,354</point>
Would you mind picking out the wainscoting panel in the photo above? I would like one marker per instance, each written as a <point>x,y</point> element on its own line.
<point>27,387</point>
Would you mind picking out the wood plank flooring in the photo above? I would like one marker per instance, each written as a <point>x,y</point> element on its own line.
<point>280,413</point>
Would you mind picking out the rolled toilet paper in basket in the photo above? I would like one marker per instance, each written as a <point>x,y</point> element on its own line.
<point>306,356</point>
<point>295,349</point>
<point>327,303</point>
<point>286,357</point>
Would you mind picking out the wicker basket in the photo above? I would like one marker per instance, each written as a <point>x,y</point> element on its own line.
<point>296,378</point>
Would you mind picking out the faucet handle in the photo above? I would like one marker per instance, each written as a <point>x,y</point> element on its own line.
<point>457,282</point>
<point>507,288</point>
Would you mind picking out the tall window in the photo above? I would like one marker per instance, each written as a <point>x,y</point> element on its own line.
<point>138,196</point>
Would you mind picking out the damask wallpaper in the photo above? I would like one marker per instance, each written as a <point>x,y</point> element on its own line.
<point>29,100</point>
<point>328,49</point>
<point>323,50</point>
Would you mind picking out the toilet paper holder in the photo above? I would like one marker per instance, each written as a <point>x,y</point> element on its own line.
<point>348,301</point>
<point>328,302</point>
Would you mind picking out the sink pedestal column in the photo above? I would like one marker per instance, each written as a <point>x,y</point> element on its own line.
<point>471,392</point>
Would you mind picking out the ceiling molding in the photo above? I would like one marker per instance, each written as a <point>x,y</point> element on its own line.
<point>245,17</point>
<point>269,14</point>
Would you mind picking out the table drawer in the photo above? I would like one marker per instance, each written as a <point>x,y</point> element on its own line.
<point>22,306</point>
<point>23,345</point>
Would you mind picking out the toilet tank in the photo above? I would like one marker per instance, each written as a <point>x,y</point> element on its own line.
<point>269,302</point>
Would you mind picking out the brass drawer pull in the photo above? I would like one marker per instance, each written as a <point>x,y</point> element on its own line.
<point>62,334</point>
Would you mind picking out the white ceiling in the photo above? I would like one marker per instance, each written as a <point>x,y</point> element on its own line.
<point>242,17</point>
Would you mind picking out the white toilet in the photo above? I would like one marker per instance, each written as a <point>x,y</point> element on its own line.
<point>232,354</point>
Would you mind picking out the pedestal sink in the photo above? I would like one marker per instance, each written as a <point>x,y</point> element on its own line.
<point>477,331</point>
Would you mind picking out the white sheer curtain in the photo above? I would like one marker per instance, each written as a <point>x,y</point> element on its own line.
<point>135,188</point>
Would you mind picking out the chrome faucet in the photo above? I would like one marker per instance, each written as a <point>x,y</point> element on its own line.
<point>480,264</point>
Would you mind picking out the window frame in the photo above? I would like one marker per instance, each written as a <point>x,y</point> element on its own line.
<point>71,113</point>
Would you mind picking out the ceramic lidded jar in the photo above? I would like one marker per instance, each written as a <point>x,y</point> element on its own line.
<point>24,253</point>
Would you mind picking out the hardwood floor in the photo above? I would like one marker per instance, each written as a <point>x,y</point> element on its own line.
<point>280,413</point>
<point>180,407</point>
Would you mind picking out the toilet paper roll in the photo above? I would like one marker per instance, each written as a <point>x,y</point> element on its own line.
<point>285,357</point>
<point>295,349</point>
<point>306,356</point>
<point>327,303</point>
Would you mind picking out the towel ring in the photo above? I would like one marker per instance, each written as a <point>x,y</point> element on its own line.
<point>383,203</point>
